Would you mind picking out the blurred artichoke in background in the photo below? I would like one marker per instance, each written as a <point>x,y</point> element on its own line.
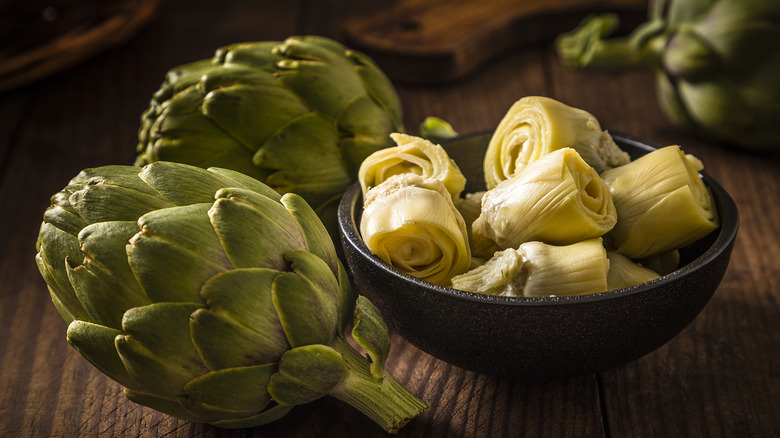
<point>716,63</point>
<point>299,115</point>
<point>211,297</point>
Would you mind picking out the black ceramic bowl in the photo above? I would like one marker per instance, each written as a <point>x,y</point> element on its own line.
<point>548,337</point>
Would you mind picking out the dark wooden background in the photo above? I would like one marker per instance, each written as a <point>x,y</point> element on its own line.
<point>719,378</point>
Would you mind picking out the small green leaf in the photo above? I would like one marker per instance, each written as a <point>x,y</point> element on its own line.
<point>371,333</point>
<point>157,349</point>
<point>96,343</point>
<point>232,393</point>
<point>306,374</point>
<point>239,308</point>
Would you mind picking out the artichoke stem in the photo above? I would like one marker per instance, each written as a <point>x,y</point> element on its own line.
<point>384,400</point>
<point>588,46</point>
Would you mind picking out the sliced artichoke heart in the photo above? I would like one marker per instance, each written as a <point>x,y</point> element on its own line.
<point>535,126</point>
<point>411,155</point>
<point>412,224</point>
<point>624,272</point>
<point>662,203</point>
<point>537,269</point>
<point>558,199</point>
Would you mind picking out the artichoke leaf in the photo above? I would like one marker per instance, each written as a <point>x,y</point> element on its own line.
<point>364,126</point>
<point>184,185</point>
<point>157,348</point>
<point>252,113</point>
<point>181,235</point>
<point>239,307</point>
<point>307,373</point>
<point>314,232</point>
<point>167,405</point>
<point>96,343</point>
<point>57,252</point>
<point>64,217</point>
<point>379,87</point>
<point>308,314</point>
<point>371,333</point>
<point>254,230</point>
<point>242,180</point>
<point>233,393</point>
<point>104,202</point>
<point>267,416</point>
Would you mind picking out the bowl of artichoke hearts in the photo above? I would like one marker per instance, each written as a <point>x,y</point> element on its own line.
<point>544,249</point>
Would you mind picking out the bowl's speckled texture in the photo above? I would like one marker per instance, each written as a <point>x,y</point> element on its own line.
<point>552,337</point>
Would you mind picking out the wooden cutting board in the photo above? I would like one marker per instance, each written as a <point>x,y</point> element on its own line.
<point>435,41</point>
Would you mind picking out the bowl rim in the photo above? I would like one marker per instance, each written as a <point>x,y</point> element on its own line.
<point>726,234</point>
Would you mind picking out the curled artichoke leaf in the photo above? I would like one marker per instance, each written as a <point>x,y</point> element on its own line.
<point>307,373</point>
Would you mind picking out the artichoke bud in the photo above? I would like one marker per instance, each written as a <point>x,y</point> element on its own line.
<point>210,297</point>
<point>411,155</point>
<point>624,272</point>
<point>536,269</point>
<point>661,201</point>
<point>412,224</point>
<point>436,130</point>
<point>557,199</point>
<point>299,115</point>
<point>535,126</point>
<point>688,56</point>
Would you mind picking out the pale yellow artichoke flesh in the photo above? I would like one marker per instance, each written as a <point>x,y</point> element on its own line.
<point>662,203</point>
<point>537,269</point>
<point>535,126</point>
<point>558,199</point>
<point>624,272</point>
<point>411,155</point>
<point>412,224</point>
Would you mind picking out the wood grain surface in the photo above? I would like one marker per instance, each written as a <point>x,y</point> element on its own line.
<point>719,378</point>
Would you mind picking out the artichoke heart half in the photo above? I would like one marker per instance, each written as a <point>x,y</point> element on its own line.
<point>558,199</point>
<point>411,155</point>
<point>535,126</point>
<point>537,269</point>
<point>662,203</point>
<point>412,224</point>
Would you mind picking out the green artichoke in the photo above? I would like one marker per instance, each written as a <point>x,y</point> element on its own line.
<point>299,115</point>
<point>716,63</point>
<point>211,297</point>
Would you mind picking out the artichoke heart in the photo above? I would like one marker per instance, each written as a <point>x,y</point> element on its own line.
<point>558,199</point>
<point>535,126</point>
<point>537,269</point>
<point>624,272</point>
<point>412,224</point>
<point>662,203</point>
<point>411,155</point>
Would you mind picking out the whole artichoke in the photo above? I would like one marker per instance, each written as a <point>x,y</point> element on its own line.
<point>299,115</point>
<point>717,63</point>
<point>211,297</point>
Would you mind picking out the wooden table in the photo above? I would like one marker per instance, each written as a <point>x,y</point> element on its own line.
<point>719,378</point>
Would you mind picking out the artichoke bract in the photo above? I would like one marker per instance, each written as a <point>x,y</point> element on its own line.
<point>299,115</point>
<point>211,297</point>
<point>715,63</point>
